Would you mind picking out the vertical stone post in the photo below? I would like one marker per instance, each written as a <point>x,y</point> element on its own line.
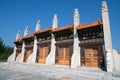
<point>20,58</point>
<point>32,58</point>
<point>107,37</point>
<point>11,58</point>
<point>51,57</point>
<point>75,60</point>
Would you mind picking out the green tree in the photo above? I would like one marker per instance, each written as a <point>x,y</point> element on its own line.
<point>1,46</point>
<point>5,51</point>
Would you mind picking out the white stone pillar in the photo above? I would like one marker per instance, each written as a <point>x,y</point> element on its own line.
<point>107,37</point>
<point>109,61</point>
<point>20,57</point>
<point>51,57</point>
<point>32,58</point>
<point>75,60</point>
<point>11,58</point>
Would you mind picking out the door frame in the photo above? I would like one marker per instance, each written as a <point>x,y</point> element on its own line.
<point>91,58</point>
<point>42,44</point>
<point>70,53</point>
<point>100,55</point>
<point>42,53</point>
<point>31,50</point>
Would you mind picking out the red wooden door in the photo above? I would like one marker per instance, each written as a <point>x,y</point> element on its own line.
<point>63,55</point>
<point>91,57</point>
<point>42,55</point>
<point>27,54</point>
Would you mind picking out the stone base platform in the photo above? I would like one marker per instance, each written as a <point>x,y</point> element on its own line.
<point>23,71</point>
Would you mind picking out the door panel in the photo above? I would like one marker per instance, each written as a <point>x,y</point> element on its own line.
<point>91,57</point>
<point>27,54</point>
<point>42,54</point>
<point>63,55</point>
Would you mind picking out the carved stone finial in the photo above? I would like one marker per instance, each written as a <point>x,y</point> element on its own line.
<point>18,35</point>
<point>38,25</point>
<point>55,21</point>
<point>26,31</point>
<point>76,18</point>
<point>104,6</point>
<point>76,13</point>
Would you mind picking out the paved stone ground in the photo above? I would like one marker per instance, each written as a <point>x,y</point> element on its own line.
<point>22,71</point>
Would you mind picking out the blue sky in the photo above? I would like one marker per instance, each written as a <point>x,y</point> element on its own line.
<point>17,14</point>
